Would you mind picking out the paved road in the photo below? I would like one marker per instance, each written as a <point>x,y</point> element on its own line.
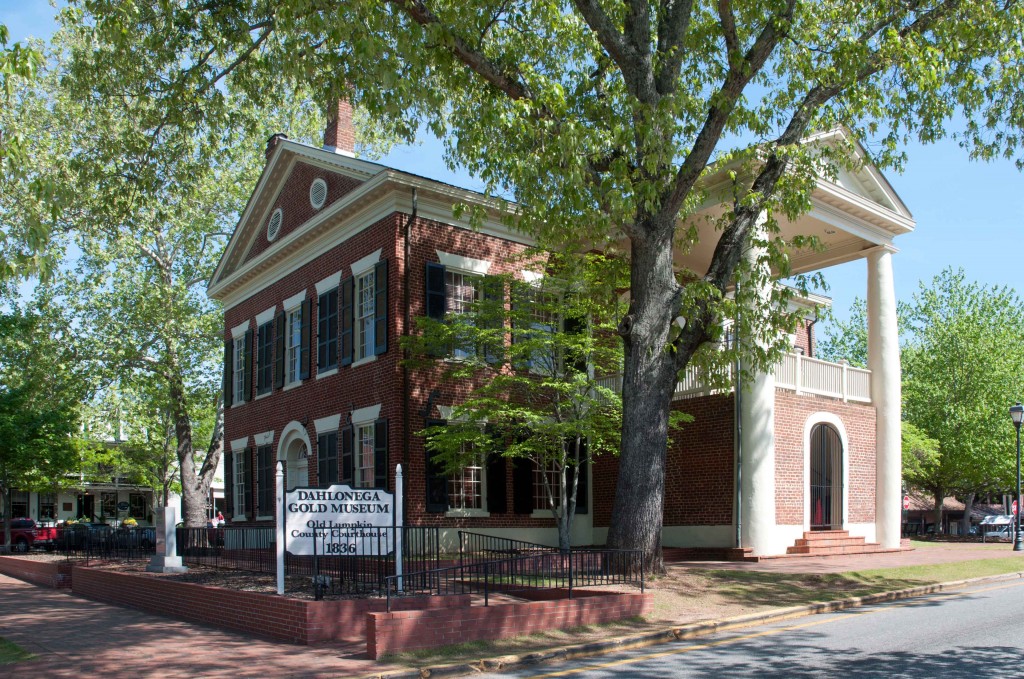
<point>973,633</point>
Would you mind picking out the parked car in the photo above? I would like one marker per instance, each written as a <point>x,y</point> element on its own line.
<point>23,534</point>
<point>1000,533</point>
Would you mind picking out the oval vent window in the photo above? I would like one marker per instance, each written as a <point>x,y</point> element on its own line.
<point>318,193</point>
<point>274,224</point>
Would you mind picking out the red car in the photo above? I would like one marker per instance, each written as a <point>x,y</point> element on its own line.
<point>25,535</point>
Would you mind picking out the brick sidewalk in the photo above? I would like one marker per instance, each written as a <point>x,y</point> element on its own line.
<point>75,637</point>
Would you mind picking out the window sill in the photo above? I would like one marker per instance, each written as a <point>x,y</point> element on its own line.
<point>264,518</point>
<point>292,385</point>
<point>467,514</point>
<point>542,514</point>
<point>263,395</point>
<point>327,373</point>
<point>236,404</point>
<point>363,361</point>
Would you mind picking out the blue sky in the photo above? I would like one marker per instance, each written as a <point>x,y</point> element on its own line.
<point>969,214</point>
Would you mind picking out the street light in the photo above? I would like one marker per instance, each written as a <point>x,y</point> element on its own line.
<point>1017,414</point>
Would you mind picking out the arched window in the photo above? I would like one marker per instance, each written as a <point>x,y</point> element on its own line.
<point>826,478</point>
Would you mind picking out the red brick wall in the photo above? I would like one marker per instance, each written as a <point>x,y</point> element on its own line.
<point>403,631</point>
<point>293,200</point>
<point>56,575</point>
<point>805,338</point>
<point>298,621</point>
<point>791,413</point>
<point>699,468</point>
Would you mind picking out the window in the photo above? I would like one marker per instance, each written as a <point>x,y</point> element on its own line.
<point>238,378</point>
<point>108,504</point>
<point>137,506</point>
<point>327,331</point>
<point>265,480</point>
<point>364,471</point>
<point>465,488</point>
<point>47,506</point>
<point>240,486</point>
<point>532,327</point>
<point>542,478</point>
<point>460,294</point>
<point>327,459</point>
<point>365,315</point>
<point>264,358</point>
<point>19,503</point>
<point>294,345</point>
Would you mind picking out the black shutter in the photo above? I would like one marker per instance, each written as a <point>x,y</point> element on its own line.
<point>583,489</point>
<point>279,358</point>
<point>305,338</point>
<point>247,391</point>
<point>435,291</point>
<point>522,486</point>
<point>228,371</point>
<point>494,297</point>
<point>380,454</point>
<point>496,483</point>
<point>248,485</point>
<point>321,462</point>
<point>437,480</point>
<point>380,308</point>
<point>346,319</point>
<point>229,484</point>
<point>346,455</point>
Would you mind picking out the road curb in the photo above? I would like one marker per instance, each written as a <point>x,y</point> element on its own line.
<point>681,633</point>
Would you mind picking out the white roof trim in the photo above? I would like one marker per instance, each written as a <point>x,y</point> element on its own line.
<point>264,439</point>
<point>238,445</point>
<point>265,316</point>
<point>238,331</point>
<point>326,425</point>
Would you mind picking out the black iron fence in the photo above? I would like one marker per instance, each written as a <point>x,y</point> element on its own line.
<point>548,571</point>
<point>97,541</point>
<point>360,564</point>
<point>478,548</point>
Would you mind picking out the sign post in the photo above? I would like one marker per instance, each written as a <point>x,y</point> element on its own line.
<point>279,479</point>
<point>399,532</point>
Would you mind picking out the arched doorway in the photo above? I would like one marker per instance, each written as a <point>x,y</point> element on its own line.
<point>294,451</point>
<point>826,478</point>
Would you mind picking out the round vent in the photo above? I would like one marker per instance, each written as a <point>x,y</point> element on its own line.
<point>274,224</point>
<point>318,193</point>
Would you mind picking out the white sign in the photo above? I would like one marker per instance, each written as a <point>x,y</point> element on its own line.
<point>341,520</point>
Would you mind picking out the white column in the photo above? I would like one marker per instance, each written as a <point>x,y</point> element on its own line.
<point>884,363</point>
<point>757,441</point>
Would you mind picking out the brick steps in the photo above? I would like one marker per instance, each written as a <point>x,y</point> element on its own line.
<point>832,542</point>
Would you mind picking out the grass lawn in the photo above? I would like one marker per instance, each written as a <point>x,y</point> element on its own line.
<point>12,653</point>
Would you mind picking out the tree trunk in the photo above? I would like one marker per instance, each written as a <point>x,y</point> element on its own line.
<point>965,523</point>
<point>939,497</point>
<point>648,382</point>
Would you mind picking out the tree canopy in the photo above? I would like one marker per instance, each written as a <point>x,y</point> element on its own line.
<point>601,119</point>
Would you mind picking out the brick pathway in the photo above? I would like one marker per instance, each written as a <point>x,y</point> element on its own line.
<point>75,637</point>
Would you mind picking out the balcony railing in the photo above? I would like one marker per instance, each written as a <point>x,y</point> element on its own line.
<point>794,372</point>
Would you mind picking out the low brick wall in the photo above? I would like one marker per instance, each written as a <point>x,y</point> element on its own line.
<point>295,620</point>
<point>53,574</point>
<point>407,630</point>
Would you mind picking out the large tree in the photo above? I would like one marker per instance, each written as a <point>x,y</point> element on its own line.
<point>138,209</point>
<point>601,118</point>
<point>963,368</point>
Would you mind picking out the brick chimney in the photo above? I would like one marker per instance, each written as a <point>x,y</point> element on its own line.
<point>340,135</point>
<point>272,143</point>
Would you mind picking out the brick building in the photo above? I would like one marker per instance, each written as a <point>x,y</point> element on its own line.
<point>334,257</point>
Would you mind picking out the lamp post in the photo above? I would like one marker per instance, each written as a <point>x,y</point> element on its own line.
<point>1017,414</point>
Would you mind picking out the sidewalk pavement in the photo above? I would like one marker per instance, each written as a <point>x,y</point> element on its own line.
<point>71,636</point>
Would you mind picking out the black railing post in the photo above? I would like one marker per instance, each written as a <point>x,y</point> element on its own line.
<point>570,574</point>
<point>486,585</point>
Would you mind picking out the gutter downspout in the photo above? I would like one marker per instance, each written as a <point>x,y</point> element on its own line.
<point>406,324</point>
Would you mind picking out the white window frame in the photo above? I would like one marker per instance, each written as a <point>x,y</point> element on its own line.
<point>540,496</point>
<point>365,309</point>
<point>238,372</point>
<point>365,439</point>
<point>458,480</point>
<point>238,460</point>
<point>457,304</point>
<point>293,345</point>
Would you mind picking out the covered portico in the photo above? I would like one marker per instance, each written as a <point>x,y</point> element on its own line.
<point>856,215</point>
